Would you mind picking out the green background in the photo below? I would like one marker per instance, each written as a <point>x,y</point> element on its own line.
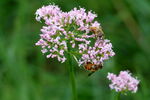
<point>25,74</point>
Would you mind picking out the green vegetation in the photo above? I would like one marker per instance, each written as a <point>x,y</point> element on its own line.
<point>25,74</point>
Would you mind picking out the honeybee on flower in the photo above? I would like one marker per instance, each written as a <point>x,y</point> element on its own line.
<point>93,57</point>
<point>92,67</point>
<point>98,32</point>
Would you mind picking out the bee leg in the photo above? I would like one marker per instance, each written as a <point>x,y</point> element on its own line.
<point>91,73</point>
<point>100,37</point>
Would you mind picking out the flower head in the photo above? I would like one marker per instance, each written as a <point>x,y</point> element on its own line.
<point>123,82</point>
<point>96,54</point>
<point>63,29</point>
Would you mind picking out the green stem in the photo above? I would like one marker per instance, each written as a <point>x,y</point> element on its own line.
<point>118,96</point>
<point>72,76</point>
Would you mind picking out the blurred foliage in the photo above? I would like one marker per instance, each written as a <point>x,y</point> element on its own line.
<point>25,74</point>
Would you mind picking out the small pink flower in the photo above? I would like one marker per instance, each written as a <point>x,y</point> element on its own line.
<point>123,82</point>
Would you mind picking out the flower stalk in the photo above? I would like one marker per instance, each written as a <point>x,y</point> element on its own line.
<point>118,96</point>
<point>74,34</point>
<point>71,74</point>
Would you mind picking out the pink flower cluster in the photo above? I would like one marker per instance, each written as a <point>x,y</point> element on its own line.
<point>123,82</point>
<point>101,51</point>
<point>63,29</point>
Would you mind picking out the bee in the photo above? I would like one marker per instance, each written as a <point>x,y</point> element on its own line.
<point>98,32</point>
<point>92,67</point>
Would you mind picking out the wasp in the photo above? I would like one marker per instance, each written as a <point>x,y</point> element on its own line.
<point>92,67</point>
<point>98,32</point>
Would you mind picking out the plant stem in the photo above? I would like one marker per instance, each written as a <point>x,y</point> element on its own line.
<point>118,96</point>
<point>72,76</point>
